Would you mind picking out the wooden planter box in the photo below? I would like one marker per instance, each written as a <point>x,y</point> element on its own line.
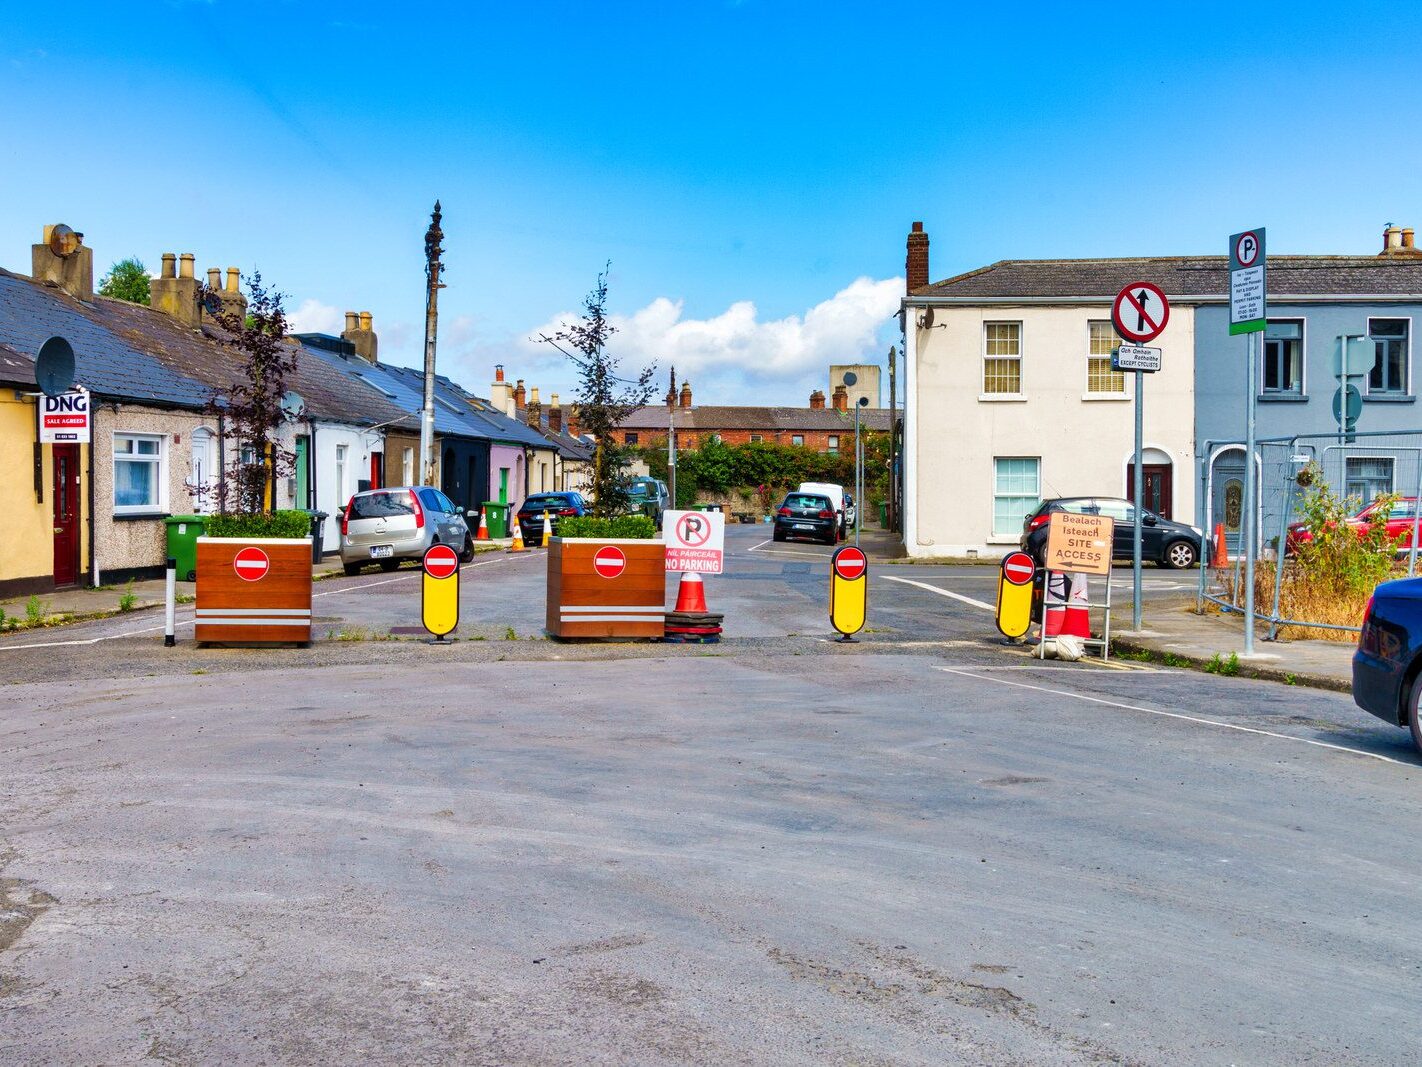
<point>589,595</point>
<point>253,590</point>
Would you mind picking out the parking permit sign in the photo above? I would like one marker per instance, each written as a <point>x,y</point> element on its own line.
<point>1248,288</point>
<point>695,540</point>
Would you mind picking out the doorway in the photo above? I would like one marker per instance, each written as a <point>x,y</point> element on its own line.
<point>1157,482</point>
<point>66,515</point>
<point>1227,496</point>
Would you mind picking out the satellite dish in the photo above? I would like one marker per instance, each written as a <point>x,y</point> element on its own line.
<point>54,367</point>
<point>293,404</point>
<point>925,319</point>
<point>850,378</point>
<point>63,241</point>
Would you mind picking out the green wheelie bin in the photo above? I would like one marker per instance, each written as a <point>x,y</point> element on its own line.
<point>183,532</point>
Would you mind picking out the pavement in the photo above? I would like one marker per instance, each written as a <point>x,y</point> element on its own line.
<point>923,848</point>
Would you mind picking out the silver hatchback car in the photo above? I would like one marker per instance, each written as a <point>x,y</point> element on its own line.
<point>385,526</point>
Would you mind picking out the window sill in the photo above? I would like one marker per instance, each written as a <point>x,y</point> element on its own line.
<point>1105,396</point>
<point>1382,398</point>
<point>1283,398</point>
<point>1003,539</point>
<point>139,516</point>
<point>1001,398</point>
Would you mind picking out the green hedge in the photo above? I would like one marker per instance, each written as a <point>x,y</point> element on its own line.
<point>277,524</point>
<point>631,527</point>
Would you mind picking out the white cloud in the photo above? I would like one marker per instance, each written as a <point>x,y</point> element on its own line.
<point>315,317</point>
<point>727,353</point>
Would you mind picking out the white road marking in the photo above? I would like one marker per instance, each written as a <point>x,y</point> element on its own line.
<point>967,673</point>
<point>5,647</point>
<point>940,592</point>
<point>754,547</point>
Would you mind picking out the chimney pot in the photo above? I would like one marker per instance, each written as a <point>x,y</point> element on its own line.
<point>686,394</point>
<point>916,262</point>
<point>840,398</point>
<point>214,278</point>
<point>350,322</point>
<point>817,400</point>
<point>533,395</point>
<point>233,275</point>
<point>554,400</point>
<point>170,265</point>
<point>519,393</point>
<point>1408,237</point>
<point>365,321</point>
<point>498,372</point>
<point>185,265</point>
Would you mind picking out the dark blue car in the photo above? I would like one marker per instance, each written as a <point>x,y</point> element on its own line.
<point>1388,663</point>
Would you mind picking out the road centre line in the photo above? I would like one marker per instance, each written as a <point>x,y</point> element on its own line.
<point>4,647</point>
<point>962,673</point>
<point>940,592</point>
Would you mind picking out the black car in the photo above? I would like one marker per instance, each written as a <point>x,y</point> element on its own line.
<point>1386,676</point>
<point>1163,541</point>
<point>806,516</point>
<point>557,505</point>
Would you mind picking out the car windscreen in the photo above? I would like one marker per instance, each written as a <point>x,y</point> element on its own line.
<point>807,502</point>
<point>538,503</point>
<point>381,505</point>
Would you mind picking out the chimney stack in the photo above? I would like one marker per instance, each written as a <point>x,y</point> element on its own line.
<point>817,400</point>
<point>535,409</point>
<point>520,394</point>
<point>360,332</point>
<point>234,304</point>
<point>555,416</point>
<point>62,260</point>
<point>1399,243</point>
<point>840,398</point>
<point>686,395</point>
<point>500,392</point>
<point>176,295</point>
<point>916,264</point>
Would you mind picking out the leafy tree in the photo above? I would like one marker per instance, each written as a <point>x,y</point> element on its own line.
<point>126,280</point>
<point>603,399</point>
<point>252,405</point>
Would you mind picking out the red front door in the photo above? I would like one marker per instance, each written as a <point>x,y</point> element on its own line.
<point>377,470</point>
<point>66,514</point>
<point>1158,488</point>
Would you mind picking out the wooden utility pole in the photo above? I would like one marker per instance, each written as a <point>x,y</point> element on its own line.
<point>893,481</point>
<point>433,269</point>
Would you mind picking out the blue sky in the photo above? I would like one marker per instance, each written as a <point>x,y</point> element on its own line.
<point>749,168</point>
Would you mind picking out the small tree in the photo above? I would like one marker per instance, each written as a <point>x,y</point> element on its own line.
<point>603,399</point>
<point>252,405</point>
<point>126,280</point>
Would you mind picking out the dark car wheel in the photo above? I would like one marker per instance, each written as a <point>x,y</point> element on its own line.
<point>1179,555</point>
<point>777,536</point>
<point>467,556</point>
<point>1414,712</point>
<point>388,565</point>
<point>351,569</point>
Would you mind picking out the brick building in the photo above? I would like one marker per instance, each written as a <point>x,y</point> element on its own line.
<point>821,427</point>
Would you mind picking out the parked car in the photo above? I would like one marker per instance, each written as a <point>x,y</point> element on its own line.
<point>1163,541</point>
<point>386,526</point>
<point>1401,513</point>
<point>837,497</point>
<point>1386,676</point>
<point>558,505</point>
<point>649,496</point>
<point>806,517</point>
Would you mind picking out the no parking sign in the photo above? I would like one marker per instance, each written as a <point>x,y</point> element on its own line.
<point>696,540</point>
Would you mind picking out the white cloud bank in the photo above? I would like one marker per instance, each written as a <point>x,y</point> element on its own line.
<point>312,316</point>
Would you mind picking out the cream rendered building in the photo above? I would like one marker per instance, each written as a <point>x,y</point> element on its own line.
<point>1010,399</point>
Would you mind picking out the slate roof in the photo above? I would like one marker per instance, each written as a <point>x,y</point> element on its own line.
<point>105,363</point>
<point>711,419</point>
<point>1206,277</point>
<point>16,368</point>
<point>500,426</point>
<point>568,446</point>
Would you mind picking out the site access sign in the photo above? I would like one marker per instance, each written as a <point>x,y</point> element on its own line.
<point>696,540</point>
<point>1248,288</point>
<point>64,418</point>
<point>1079,544</point>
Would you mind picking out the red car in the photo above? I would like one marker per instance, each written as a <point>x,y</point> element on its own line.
<point>1399,525</point>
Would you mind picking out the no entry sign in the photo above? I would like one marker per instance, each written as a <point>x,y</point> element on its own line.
<point>1018,568</point>
<point>251,564</point>
<point>609,561</point>
<point>850,563</point>
<point>1139,312</point>
<point>849,591</point>
<point>441,561</point>
<point>1014,595</point>
<point>696,541</point>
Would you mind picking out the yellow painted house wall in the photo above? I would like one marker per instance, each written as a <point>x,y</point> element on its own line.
<point>27,541</point>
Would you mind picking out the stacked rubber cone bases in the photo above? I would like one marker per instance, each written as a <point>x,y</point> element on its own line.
<point>690,622</point>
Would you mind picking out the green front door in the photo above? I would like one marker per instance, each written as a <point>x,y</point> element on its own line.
<point>503,485</point>
<point>302,481</point>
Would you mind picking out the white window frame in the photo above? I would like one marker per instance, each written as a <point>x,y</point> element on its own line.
<point>341,455</point>
<point>756,438</point>
<point>1391,461</point>
<point>1367,378</point>
<point>159,463</point>
<point>407,465</point>
<point>998,535</point>
<point>1302,390</point>
<point>797,440</point>
<point>983,394</point>
<point>832,444</point>
<point>1089,394</point>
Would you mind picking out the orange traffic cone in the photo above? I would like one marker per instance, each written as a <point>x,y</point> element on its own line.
<point>1067,611</point>
<point>691,594</point>
<point>1221,556</point>
<point>483,534</point>
<point>518,545</point>
<point>547,528</point>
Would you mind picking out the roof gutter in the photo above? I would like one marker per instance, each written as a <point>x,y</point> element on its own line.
<point>1073,301</point>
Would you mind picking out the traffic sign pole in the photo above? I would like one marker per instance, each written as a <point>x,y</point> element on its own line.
<point>1139,479</point>
<point>1251,490</point>
<point>1249,313</point>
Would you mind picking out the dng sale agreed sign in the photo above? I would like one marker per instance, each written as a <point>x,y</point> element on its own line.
<point>1079,544</point>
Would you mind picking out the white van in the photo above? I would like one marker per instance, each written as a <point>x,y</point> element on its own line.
<point>836,494</point>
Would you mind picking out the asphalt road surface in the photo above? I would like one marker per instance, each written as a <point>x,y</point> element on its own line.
<point>920,849</point>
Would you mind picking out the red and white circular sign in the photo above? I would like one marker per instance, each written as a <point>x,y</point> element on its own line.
<point>1247,248</point>
<point>609,561</point>
<point>440,561</point>
<point>1139,312</point>
<point>251,564</point>
<point>850,563</point>
<point>1018,568</point>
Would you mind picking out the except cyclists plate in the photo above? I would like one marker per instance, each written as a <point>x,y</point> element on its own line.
<point>381,551</point>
